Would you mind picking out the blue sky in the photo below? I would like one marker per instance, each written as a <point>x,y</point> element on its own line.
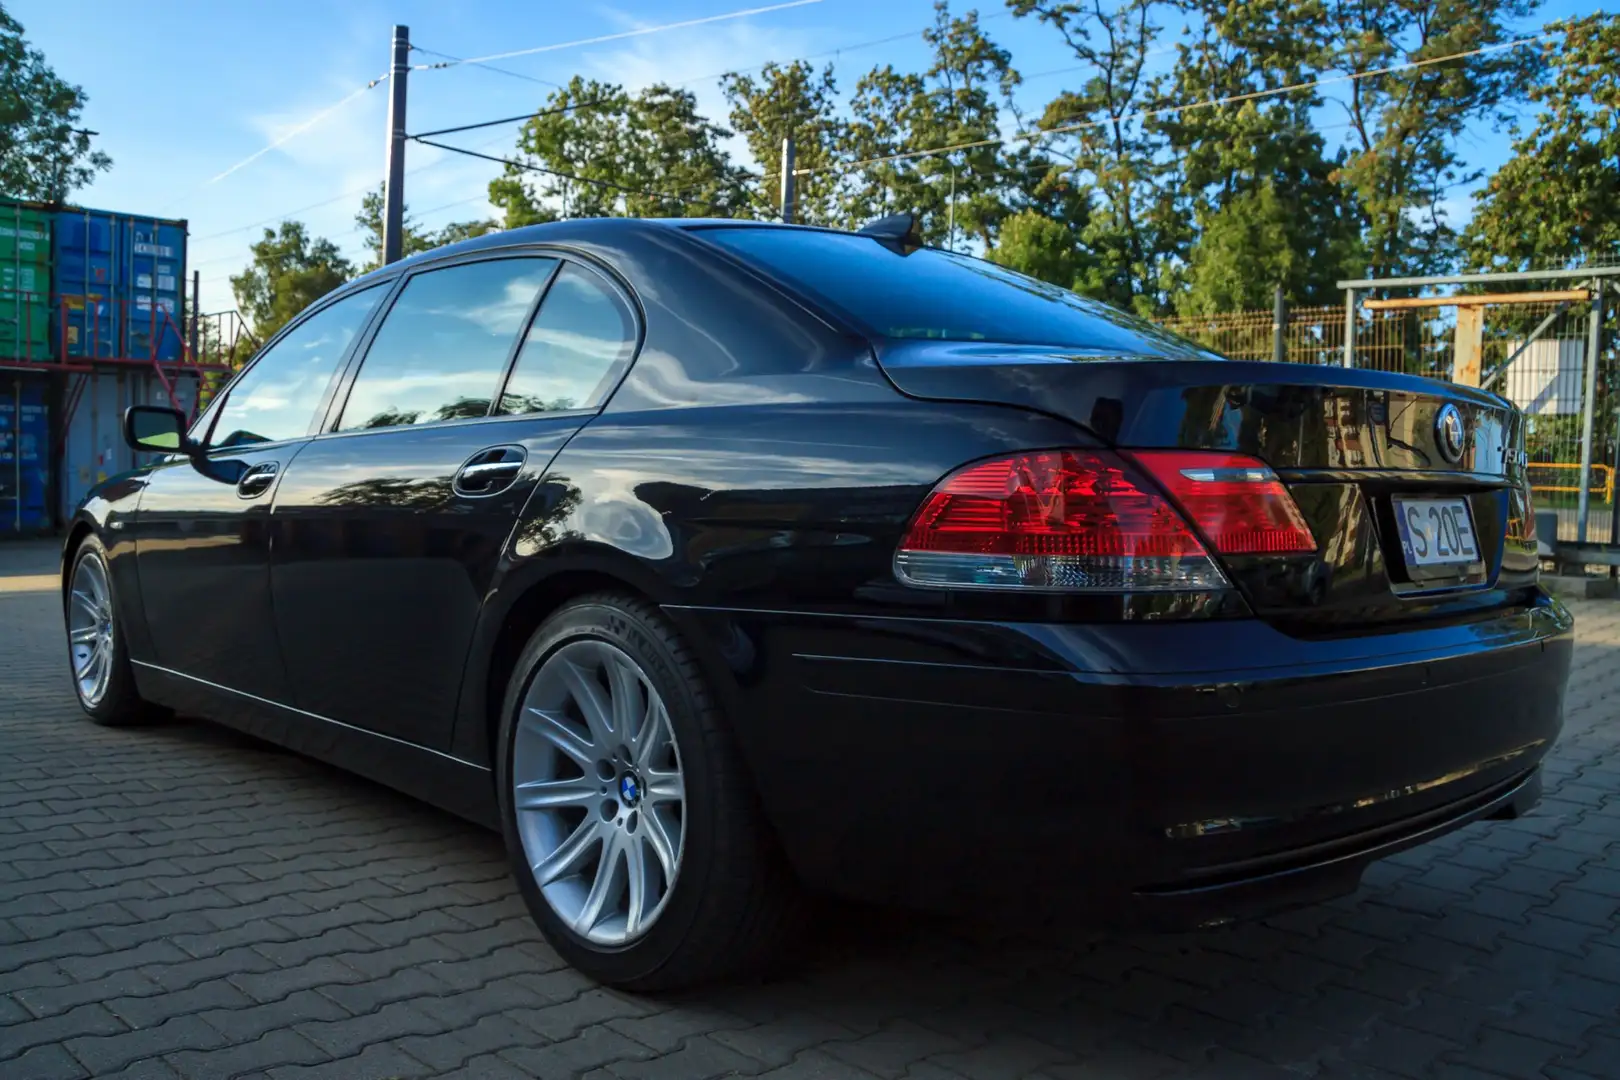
<point>182,91</point>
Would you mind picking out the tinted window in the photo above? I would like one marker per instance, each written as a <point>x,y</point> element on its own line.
<point>577,346</point>
<point>935,294</point>
<point>277,397</point>
<point>442,347</point>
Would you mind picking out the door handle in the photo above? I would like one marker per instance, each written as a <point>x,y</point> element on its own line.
<point>257,480</point>
<point>490,471</point>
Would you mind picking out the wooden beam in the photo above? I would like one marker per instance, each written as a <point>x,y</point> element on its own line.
<point>1405,303</point>
<point>1466,345</point>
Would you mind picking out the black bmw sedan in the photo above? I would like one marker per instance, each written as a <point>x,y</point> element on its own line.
<point>718,564</point>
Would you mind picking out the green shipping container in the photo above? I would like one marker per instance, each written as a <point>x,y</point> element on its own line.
<point>25,282</point>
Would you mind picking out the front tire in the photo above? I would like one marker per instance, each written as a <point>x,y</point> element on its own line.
<point>98,656</point>
<point>634,834</point>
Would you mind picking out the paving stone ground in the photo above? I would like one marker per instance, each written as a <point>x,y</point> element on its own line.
<point>178,901</point>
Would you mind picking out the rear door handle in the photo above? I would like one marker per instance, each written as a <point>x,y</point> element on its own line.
<point>490,471</point>
<point>257,480</point>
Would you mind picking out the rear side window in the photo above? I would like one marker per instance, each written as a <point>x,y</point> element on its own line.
<point>575,350</point>
<point>935,294</point>
<point>443,346</point>
<point>276,398</point>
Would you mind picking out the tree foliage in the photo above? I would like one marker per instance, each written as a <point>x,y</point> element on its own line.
<point>290,270</point>
<point>413,239</point>
<point>595,150</point>
<point>45,153</point>
<point>1264,143</point>
<point>1558,198</point>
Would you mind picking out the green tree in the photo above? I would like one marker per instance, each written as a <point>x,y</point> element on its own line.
<point>958,101</point>
<point>44,152</point>
<point>290,270</point>
<point>791,99</point>
<point>414,238</point>
<point>1135,232</point>
<point>1254,179</point>
<point>1557,199</point>
<point>370,218</point>
<point>1406,127</point>
<point>595,150</point>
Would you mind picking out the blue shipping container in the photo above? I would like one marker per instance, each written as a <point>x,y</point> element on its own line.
<point>118,284</point>
<point>24,455</point>
<point>93,446</point>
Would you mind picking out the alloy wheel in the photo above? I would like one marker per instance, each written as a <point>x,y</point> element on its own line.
<point>598,792</point>
<point>91,629</point>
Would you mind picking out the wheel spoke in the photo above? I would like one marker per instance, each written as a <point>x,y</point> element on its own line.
<point>635,870</point>
<point>653,737</point>
<point>657,838</point>
<point>625,698</point>
<point>546,794</point>
<point>590,913</point>
<point>665,787</point>
<point>592,702</point>
<point>569,854</point>
<point>555,730</point>
<point>84,635</point>
<point>88,603</point>
<point>83,670</point>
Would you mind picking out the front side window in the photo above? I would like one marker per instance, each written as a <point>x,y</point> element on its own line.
<point>276,398</point>
<point>443,346</point>
<point>574,351</point>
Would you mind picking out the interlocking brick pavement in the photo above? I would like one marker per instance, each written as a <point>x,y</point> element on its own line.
<point>178,901</point>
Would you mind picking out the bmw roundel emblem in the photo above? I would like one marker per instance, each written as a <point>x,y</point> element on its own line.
<point>629,788</point>
<point>1449,433</point>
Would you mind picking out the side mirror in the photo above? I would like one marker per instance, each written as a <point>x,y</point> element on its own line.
<point>154,429</point>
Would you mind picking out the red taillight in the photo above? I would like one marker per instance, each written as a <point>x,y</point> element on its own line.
<point>1236,502</point>
<point>1060,520</point>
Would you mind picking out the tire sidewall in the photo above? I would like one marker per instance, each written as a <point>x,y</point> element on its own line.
<point>604,620</point>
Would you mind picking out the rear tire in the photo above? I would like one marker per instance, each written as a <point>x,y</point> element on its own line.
<point>98,653</point>
<point>677,815</point>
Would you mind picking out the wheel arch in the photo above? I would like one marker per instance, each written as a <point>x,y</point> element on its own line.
<point>523,598</point>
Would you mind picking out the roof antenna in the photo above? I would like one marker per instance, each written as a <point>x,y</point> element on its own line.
<point>897,231</point>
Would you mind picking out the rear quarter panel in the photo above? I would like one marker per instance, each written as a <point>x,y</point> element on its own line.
<point>754,458</point>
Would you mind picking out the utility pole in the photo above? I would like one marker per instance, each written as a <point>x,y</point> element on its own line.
<point>789,164</point>
<point>394,191</point>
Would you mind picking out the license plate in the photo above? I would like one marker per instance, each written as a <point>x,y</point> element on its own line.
<point>1436,532</point>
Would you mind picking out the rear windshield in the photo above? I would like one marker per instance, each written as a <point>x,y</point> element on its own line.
<point>934,294</point>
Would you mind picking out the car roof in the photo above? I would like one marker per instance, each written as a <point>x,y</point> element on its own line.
<point>577,230</point>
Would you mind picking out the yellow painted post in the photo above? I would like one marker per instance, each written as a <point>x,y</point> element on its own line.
<point>1466,345</point>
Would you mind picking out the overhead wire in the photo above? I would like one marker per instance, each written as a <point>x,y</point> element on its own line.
<point>1171,110</point>
<point>487,67</point>
<point>622,35</point>
<point>684,200</point>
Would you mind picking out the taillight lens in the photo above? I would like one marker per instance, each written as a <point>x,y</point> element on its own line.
<point>1236,502</point>
<point>1056,520</point>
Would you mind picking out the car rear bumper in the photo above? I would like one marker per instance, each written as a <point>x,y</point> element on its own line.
<point>1168,773</point>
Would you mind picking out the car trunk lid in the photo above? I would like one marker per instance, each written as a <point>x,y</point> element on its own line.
<point>1364,454</point>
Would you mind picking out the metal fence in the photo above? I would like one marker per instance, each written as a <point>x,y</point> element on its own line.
<point>1545,377</point>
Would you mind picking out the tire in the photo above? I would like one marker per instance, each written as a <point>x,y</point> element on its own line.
<point>111,698</point>
<point>730,907</point>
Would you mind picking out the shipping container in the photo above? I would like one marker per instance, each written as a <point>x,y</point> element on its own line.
<point>24,454</point>
<point>25,281</point>
<point>93,448</point>
<point>117,285</point>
